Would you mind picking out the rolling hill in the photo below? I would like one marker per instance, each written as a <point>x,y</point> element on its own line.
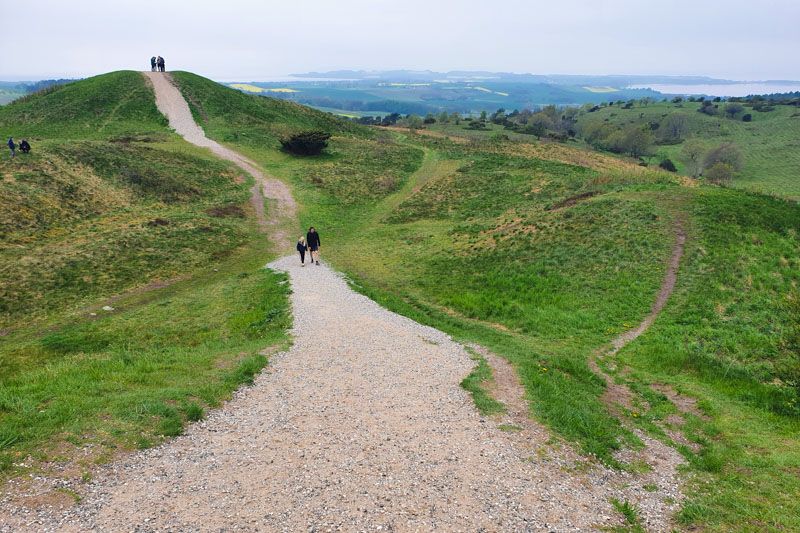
<point>540,252</point>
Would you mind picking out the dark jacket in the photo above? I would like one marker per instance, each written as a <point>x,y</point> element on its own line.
<point>312,238</point>
<point>301,246</point>
<point>11,143</point>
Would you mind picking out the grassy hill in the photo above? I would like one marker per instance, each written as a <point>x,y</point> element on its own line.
<point>110,209</point>
<point>544,253</point>
<point>541,252</point>
<point>768,143</point>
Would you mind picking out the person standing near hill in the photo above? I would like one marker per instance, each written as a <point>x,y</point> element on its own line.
<point>13,150</point>
<point>312,239</point>
<point>302,247</point>
<point>160,63</point>
<point>153,64</point>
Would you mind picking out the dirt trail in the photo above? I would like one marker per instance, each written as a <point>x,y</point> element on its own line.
<point>664,292</point>
<point>173,105</point>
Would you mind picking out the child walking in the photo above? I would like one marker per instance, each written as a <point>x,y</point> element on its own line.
<point>302,247</point>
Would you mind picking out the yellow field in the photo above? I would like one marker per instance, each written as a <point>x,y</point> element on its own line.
<point>601,89</point>
<point>484,89</point>
<point>253,89</point>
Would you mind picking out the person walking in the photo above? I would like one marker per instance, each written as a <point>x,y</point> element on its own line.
<point>312,238</point>
<point>153,64</point>
<point>11,145</point>
<point>302,247</point>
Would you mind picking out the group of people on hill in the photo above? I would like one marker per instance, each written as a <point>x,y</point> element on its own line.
<point>24,146</point>
<point>156,64</point>
<point>310,243</point>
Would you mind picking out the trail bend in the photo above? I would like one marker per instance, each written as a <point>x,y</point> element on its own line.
<point>173,105</point>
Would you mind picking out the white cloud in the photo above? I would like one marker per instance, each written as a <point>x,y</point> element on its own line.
<point>249,39</point>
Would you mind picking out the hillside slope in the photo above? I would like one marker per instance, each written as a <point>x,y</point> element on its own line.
<point>768,142</point>
<point>132,288</point>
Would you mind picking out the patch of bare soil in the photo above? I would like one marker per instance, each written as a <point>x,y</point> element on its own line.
<point>572,200</point>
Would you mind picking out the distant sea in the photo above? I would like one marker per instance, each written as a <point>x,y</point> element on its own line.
<point>723,89</point>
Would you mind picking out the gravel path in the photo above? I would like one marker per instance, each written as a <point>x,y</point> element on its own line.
<point>172,104</point>
<point>360,426</point>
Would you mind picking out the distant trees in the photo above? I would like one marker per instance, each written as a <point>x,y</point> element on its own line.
<point>725,153</point>
<point>674,128</point>
<point>483,115</point>
<point>637,141</point>
<point>708,108</point>
<point>720,173</point>
<point>455,117</point>
<point>412,121</point>
<point>306,142</point>
<point>732,108</point>
<point>444,118</point>
<point>430,118</point>
<point>692,152</point>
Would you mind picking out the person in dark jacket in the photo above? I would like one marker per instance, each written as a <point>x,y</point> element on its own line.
<point>312,239</point>
<point>302,247</point>
<point>153,64</point>
<point>12,146</point>
<point>161,63</point>
<point>24,146</point>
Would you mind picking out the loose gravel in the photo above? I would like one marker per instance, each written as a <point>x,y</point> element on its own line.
<point>360,426</point>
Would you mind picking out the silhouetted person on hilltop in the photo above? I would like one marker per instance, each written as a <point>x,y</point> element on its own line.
<point>153,64</point>
<point>24,147</point>
<point>160,64</point>
<point>12,146</point>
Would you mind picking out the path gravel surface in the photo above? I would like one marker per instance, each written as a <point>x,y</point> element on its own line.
<point>360,426</point>
<point>172,104</point>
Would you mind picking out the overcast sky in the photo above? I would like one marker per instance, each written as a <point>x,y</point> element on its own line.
<point>251,40</point>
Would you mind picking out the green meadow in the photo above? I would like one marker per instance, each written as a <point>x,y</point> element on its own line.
<point>769,143</point>
<point>539,251</point>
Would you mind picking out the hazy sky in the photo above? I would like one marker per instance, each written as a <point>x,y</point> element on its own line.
<point>252,40</point>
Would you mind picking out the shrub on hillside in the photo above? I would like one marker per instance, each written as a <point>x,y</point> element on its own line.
<point>668,165</point>
<point>725,153</point>
<point>747,117</point>
<point>719,174</point>
<point>708,108</point>
<point>732,108</point>
<point>306,142</point>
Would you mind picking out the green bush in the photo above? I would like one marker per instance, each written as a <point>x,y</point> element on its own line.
<point>306,142</point>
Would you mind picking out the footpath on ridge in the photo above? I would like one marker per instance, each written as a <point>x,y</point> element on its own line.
<point>173,105</point>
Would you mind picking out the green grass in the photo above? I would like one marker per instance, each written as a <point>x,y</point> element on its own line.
<point>140,372</point>
<point>87,219</point>
<point>475,383</point>
<point>119,103</point>
<point>107,203</point>
<point>769,143</point>
<point>253,121</point>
